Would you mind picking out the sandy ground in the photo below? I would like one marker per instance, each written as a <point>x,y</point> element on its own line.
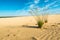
<point>22,28</point>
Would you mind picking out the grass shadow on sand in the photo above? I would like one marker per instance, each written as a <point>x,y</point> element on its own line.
<point>28,26</point>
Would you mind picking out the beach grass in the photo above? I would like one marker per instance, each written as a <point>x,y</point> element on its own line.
<point>35,13</point>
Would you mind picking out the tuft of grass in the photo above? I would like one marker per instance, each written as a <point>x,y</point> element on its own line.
<point>40,23</point>
<point>36,14</point>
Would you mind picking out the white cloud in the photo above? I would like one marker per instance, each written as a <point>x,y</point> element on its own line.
<point>22,12</point>
<point>46,0</point>
<point>29,3</point>
<point>55,5</point>
<point>39,8</point>
<point>32,5</point>
<point>54,11</point>
<point>48,6</point>
<point>36,1</point>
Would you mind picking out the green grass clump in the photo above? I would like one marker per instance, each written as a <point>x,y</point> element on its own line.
<point>40,23</point>
<point>40,19</point>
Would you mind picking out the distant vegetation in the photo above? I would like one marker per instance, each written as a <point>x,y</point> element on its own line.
<point>7,16</point>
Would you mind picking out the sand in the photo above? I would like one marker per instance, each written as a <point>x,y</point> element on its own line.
<point>24,28</point>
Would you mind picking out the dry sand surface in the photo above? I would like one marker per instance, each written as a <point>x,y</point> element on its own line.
<point>23,28</point>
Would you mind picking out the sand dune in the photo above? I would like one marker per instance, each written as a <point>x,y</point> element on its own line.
<point>13,29</point>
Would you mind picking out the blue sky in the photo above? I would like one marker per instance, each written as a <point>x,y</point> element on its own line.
<point>21,7</point>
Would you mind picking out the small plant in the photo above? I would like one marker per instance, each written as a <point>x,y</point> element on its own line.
<point>40,23</point>
<point>35,13</point>
<point>46,21</point>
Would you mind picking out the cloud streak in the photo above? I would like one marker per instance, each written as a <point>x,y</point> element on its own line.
<point>48,6</point>
<point>32,5</point>
<point>46,0</point>
<point>36,1</point>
